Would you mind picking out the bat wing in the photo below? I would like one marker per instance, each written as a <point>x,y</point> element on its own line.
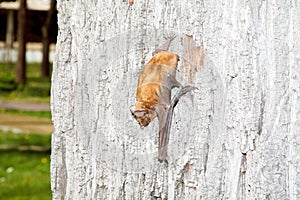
<point>165,121</point>
<point>165,46</point>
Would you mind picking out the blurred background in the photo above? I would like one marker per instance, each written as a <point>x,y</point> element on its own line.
<point>28,31</point>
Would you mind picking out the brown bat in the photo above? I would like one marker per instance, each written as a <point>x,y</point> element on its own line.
<point>153,94</point>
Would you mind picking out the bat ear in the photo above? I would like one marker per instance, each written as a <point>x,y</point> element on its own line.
<point>132,109</point>
<point>139,113</point>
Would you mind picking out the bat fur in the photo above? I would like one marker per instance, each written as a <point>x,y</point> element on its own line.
<point>153,95</point>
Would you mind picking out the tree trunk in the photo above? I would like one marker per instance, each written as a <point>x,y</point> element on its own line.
<point>45,66</point>
<point>236,137</point>
<point>21,62</point>
<point>9,39</point>
<point>10,29</point>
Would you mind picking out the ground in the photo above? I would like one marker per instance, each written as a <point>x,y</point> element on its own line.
<point>27,124</point>
<point>25,106</point>
<point>25,155</point>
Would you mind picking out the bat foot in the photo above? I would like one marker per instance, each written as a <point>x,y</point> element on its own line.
<point>182,91</point>
<point>162,155</point>
<point>163,159</point>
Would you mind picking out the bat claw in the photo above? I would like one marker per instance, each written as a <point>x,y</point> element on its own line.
<point>188,88</point>
<point>162,156</point>
<point>180,93</point>
<point>161,160</point>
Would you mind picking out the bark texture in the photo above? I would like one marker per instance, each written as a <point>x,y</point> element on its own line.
<point>236,137</point>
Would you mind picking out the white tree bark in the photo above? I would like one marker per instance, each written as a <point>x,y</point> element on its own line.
<point>236,137</point>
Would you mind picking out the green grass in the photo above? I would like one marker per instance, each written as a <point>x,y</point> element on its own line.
<point>18,139</point>
<point>36,89</point>
<point>24,174</point>
<point>40,114</point>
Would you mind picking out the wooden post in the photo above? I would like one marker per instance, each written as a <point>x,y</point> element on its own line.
<point>9,35</point>
<point>10,29</point>
<point>21,62</point>
<point>45,66</point>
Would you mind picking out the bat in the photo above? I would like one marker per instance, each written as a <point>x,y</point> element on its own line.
<point>153,94</point>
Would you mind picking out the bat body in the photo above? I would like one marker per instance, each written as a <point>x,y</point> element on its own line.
<point>154,86</point>
<point>153,95</point>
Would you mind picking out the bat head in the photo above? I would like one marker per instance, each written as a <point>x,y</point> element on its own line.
<point>143,116</point>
